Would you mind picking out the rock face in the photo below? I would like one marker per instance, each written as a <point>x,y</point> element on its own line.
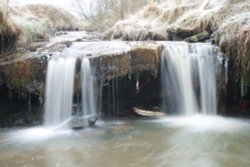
<point>28,73</point>
<point>140,57</point>
<point>201,37</point>
<point>2,79</point>
<point>119,66</point>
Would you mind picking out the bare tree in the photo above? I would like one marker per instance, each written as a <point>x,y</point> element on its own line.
<point>104,13</point>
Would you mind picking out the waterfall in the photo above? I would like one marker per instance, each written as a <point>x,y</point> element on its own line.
<point>88,91</point>
<point>59,90</point>
<point>189,77</point>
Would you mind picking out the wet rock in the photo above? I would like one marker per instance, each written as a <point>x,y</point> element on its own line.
<point>55,47</point>
<point>140,57</point>
<point>26,74</point>
<point>2,79</point>
<point>201,37</point>
<point>34,46</point>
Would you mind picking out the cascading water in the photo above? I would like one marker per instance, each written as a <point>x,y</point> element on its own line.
<point>189,77</point>
<point>88,91</point>
<point>59,90</point>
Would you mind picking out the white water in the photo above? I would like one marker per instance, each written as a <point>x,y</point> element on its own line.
<point>88,94</point>
<point>59,90</point>
<point>189,77</point>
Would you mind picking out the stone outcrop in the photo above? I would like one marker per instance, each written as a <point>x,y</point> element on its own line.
<point>28,72</point>
<point>140,57</point>
<point>201,37</point>
<point>2,79</point>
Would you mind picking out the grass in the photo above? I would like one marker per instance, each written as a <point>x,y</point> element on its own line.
<point>9,31</point>
<point>226,21</point>
<point>233,37</point>
<point>33,23</point>
<point>176,21</point>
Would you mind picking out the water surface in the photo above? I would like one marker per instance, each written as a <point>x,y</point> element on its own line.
<point>174,142</point>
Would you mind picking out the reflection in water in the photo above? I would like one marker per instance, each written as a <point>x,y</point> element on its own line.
<point>174,142</point>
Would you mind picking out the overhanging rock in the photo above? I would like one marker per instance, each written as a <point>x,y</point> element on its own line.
<point>109,59</point>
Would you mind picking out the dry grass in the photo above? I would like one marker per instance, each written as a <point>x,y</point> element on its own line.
<point>233,36</point>
<point>228,21</point>
<point>9,32</point>
<point>33,23</point>
<point>52,17</point>
<point>105,13</point>
<point>38,22</point>
<point>177,20</point>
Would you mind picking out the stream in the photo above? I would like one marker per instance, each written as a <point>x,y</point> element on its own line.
<point>207,141</point>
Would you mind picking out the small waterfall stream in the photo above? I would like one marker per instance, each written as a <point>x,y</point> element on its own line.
<point>189,77</point>
<point>59,90</point>
<point>59,93</point>
<point>88,95</point>
<point>188,73</point>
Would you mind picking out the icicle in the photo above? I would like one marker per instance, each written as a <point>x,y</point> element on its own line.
<point>129,76</point>
<point>226,69</point>
<point>113,96</point>
<point>137,84</point>
<point>129,70</point>
<point>29,101</point>
<point>155,73</point>
<point>40,99</point>
<point>117,96</point>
